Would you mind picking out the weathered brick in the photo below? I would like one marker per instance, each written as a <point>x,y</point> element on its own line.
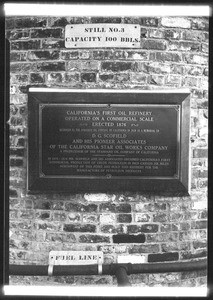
<point>27,214</point>
<point>155,33</point>
<point>46,33</point>
<point>58,205</point>
<point>105,20</point>
<point>13,193</point>
<point>18,56</point>
<point>149,22</point>
<point>88,77</point>
<point>203,214</point>
<point>176,216</point>
<point>138,77</point>
<point>90,218</point>
<point>200,153</point>
<point>112,229</point>
<point>9,23</point>
<point>13,214</point>
<point>30,22</point>
<point>200,173</point>
<point>162,237</point>
<point>42,215</point>
<point>77,207</point>
<point>192,274</point>
<point>131,20</point>
<point>169,247</point>
<point>193,255</point>
<point>107,218</point>
<point>17,151</point>
<point>155,67</point>
<point>59,237</point>
<point>73,217</point>
<point>16,162</point>
<point>154,248</point>
<point>184,46</point>
<point>172,34</point>
<point>18,254</point>
<point>106,77</point>
<point>142,217</point>
<point>202,281</point>
<point>200,24</point>
<point>142,228</point>
<point>199,244</point>
<point>67,55</point>
<point>48,226</point>
<point>38,204</point>
<point>85,54</point>
<point>52,44</point>
<point>21,224</point>
<point>108,249</point>
<point>175,22</point>
<point>116,66</point>
<point>205,48</point>
<point>19,78</point>
<point>160,217</point>
<point>195,59</point>
<point>194,70</point>
<point>156,80</point>
<point>136,55</point>
<point>192,235</point>
<point>124,218</point>
<point>21,67</point>
<point>59,22</point>
<point>128,238</point>
<point>51,66</point>
<point>202,183</point>
<point>111,207</point>
<point>94,239</point>
<point>25,45</point>
<point>122,77</point>
<point>13,110</point>
<point>185,226</point>
<point>169,256</point>
<point>18,34</point>
<point>37,78</point>
<point>79,228</point>
<point>43,55</point>
<point>153,44</point>
<point>199,224</point>
<point>54,237</point>
<point>167,56</point>
<point>105,54</point>
<point>71,78</point>
<point>195,35</point>
<point>191,82</point>
<point>55,78</point>
<point>14,244</point>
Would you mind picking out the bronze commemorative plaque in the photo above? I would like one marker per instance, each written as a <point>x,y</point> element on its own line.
<point>130,143</point>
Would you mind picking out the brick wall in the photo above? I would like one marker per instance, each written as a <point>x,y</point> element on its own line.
<point>173,54</point>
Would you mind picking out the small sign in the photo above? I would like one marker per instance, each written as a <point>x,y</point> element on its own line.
<point>133,259</point>
<point>75,257</point>
<point>102,35</point>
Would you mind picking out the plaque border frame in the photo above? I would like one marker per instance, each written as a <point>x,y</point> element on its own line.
<point>41,173</point>
<point>174,186</point>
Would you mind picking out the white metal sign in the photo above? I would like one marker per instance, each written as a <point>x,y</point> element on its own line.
<point>102,35</point>
<point>75,257</point>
